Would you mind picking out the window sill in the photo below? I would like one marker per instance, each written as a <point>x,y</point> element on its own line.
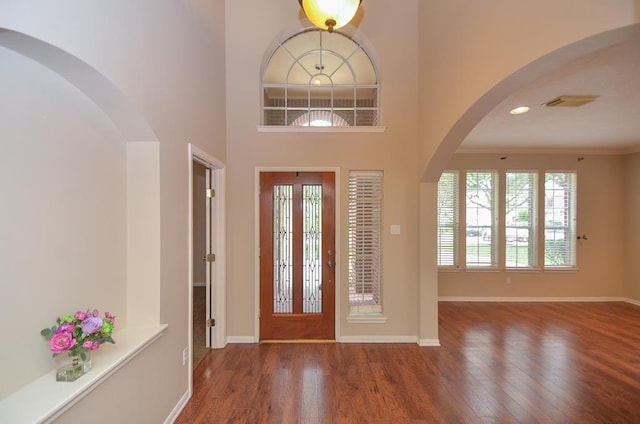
<point>523,270</point>
<point>366,319</point>
<point>447,269</point>
<point>482,269</point>
<point>568,270</point>
<point>45,399</point>
<point>284,129</point>
<point>511,270</point>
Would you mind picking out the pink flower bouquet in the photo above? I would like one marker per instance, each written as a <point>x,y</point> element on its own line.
<point>80,333</point>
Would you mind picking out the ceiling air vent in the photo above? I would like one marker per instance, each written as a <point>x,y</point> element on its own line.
<point>570,101</point>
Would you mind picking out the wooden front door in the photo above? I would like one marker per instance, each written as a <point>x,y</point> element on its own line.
<point>297,255</point>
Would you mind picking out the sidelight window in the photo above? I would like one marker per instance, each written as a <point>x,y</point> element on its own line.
<point>365,242</point>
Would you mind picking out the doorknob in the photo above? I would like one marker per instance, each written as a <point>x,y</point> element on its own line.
<point>331,264</point>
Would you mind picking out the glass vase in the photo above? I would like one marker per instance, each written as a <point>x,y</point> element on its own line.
<point>74,368</point>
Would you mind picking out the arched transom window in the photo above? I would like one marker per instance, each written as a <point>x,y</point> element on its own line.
<point>318,78</point>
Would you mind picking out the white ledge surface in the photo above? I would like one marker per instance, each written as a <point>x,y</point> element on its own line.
<point>46,399</point>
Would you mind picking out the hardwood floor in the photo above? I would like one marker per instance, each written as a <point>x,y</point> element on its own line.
<point>499,363</point>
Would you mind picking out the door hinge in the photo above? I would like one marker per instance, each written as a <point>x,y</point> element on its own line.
<point>209,257</point>
<point>211,322</point>
<point>211,193</point>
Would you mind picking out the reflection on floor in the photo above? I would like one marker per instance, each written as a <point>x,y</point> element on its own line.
<point>553,363</point>
<point>199,327</point>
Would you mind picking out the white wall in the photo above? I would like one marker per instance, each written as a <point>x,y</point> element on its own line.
<point>63,242</point>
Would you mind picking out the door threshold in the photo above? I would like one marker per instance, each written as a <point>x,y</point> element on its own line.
<point>273,341</point>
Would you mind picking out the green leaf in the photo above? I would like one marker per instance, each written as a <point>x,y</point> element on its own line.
<point>48,332</point>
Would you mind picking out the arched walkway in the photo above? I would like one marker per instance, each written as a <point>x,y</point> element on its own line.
<point>131,124</point>
<point>515,82</point>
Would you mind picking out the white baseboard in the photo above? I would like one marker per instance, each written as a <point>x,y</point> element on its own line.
<point>355,339</point>
<point>178,408</point>
<point>429,342</point>
<point>241,339</point>
<point>632,301</point>
<point>531,299</point>
<point>377,339</point>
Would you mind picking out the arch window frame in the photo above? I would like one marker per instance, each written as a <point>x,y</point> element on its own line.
<point>295,110</point>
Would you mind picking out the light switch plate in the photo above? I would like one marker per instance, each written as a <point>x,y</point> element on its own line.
<point>395,230</point>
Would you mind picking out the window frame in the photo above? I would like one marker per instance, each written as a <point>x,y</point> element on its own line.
<point>452,224</point>
<point>532,227</point>
<point>354,108</point>
<point>536,224</point>
<point>489,229</point>
<point>569,227</point>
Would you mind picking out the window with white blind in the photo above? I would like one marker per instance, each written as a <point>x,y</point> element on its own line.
<point>560,219</point>
<point>365,242</point>
<point>448,219</point>
<point>508,220</point>
<point>521,219</point>
<point>481,219</point>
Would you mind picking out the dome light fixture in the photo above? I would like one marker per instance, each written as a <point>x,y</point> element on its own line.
<point>330,14</point>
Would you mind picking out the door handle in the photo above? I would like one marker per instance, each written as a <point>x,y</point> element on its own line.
<point>331,264</point>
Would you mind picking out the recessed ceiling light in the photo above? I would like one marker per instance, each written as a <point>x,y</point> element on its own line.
<point>520,109</point>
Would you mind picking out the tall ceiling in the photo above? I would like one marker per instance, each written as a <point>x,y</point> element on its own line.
<point>610,124</point>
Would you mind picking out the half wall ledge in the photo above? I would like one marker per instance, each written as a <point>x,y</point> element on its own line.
<point>54,398</point>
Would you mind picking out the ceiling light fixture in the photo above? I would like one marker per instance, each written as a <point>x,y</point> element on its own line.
<point>330,14</point>
<point>519,110</point>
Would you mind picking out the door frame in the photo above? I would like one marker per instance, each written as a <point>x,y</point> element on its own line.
<point>256,238</point>
<point>217,219</point>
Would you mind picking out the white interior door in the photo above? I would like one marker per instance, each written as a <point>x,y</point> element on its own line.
<point>207,252</point>
<point>209,257</point>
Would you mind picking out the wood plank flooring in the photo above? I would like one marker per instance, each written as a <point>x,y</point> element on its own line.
<point>499,363</point>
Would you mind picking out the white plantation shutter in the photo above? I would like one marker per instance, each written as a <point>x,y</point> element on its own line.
<point>482,219</point>
<point>475,221</point>
<point>365,242</point>
<point>521,218</point>
<point>560,219</point>
<point>448,219</point>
